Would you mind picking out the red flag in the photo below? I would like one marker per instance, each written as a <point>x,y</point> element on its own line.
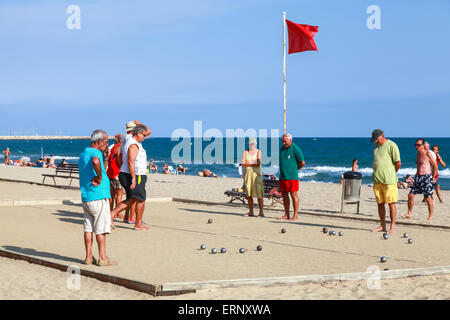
<point>301,37</point>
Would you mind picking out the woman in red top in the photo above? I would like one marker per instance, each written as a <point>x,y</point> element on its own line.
<point>113,174</point>
<point>438,161</point>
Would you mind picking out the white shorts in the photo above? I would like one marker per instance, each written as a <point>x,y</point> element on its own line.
<point>97,216</point>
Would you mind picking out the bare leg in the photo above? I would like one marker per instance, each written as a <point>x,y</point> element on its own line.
<point>133,212</point>
<point>122,206</point>
<point>438,193</point>
<point>382,215</point>
<point>393,215</point>
<point>250,207</point>
<point>286,204</point>
<point>261,207</point>
<point>140,206</point>
<point>101,242</point>
<point>88,244</point>
<point>430,204</point>
<point>295,202</point>
<point>410,206</point>
<point>113,195</point>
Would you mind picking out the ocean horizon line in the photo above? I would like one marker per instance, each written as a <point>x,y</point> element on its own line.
<point>50,137</point>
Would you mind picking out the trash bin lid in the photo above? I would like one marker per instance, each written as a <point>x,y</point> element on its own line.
<point>348,175</point>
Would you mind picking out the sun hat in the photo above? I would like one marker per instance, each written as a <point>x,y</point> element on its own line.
<point>130,126</point>
<point>252,140</point>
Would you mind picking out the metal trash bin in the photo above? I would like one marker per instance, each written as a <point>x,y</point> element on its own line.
<point>351,188</point>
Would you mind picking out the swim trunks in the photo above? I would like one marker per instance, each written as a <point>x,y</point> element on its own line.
<point>423,184</point>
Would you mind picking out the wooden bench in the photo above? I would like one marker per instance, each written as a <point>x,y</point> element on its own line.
<point>69,171</point>
<point>269,185</point>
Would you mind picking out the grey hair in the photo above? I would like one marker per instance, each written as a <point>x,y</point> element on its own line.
<point>287,135</point>
<point>98,135</point>
<point>138,129</point>
<point>426,142</point>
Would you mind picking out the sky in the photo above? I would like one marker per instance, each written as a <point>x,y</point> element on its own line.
<point>170,63</point>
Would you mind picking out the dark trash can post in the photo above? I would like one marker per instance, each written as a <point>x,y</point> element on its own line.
<point>351,189</point>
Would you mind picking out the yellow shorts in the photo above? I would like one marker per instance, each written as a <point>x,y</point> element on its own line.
<point>385,193</point>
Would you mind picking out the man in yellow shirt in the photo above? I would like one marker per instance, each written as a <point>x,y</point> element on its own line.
<point>386,162</point>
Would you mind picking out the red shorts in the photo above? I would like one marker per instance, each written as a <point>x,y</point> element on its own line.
<point>288,185</point>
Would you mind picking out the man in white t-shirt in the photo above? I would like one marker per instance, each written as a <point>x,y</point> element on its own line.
<point>133,174</point>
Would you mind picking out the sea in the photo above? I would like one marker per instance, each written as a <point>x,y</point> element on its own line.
<point>326,158</point>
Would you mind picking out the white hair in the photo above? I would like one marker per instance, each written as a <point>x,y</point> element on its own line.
<point>287,135</point>
<point>98,135</point>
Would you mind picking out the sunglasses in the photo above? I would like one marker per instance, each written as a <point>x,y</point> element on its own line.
<point>418,144</point>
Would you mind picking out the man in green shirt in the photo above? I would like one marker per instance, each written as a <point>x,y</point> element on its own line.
<point>386,162</point>
<point>291,160</point>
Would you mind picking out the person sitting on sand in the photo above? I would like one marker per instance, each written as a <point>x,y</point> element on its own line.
<point>40,163</point>
<point>152,167</point>
<point>181,168</point>
<point>166,168</point>
<point>208,174</point>
<point>407,183</point>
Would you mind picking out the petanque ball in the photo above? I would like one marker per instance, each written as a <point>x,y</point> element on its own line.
<point>325,230</point>
<point>223,250</point>
<point>383,259</point>
<point>386,235</point>
<point>341,233</point>
<point>283,230</point>
<point>410,240</point>
<point>213,250</point>
<point>241,250</point>
<point>259,248</point>
<point>203,246</point>
<point>333,233</point>
<point>405,235</point>
<point>210,221</point>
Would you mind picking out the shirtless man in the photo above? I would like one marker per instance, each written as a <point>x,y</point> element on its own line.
<point>7,153</point>
<point>424,179</point>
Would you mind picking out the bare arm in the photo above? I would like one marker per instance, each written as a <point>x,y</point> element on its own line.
<point>397,165</point>
<point>301,164</point>
<point>98,170</point>
<point>434,165</point>
<point>132,154</point>
<point>440,160</point>
<point>147,132</point>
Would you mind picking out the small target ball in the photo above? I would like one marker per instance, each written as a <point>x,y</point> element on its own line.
<point>223,250</point>
<point>410,240</point>
<point>213,250</point>
<point>325,230</point>
<point>203,246</point>
<point>341,233</point>
<point>383,259</point>
<point>259,248</point>
<point>241,250</point>
<point>210,221</point>
<point>385,236</point>
<point>283,230</point>
<point>405,235</point>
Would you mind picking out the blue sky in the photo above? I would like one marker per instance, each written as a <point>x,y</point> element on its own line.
<point>220,61</point>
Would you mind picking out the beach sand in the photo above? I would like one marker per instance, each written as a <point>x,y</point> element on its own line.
<point>302,250</point>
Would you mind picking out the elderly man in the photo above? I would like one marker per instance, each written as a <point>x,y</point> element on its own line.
<point>94,186</point>
<point>133,175</point>
<point>424,179</point>
<point>386,163</point>
<point>291,160</point>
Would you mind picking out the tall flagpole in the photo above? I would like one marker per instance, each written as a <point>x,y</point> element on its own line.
<point>284,71</point>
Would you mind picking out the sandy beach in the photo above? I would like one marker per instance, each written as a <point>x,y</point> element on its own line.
<point>303,250</point>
